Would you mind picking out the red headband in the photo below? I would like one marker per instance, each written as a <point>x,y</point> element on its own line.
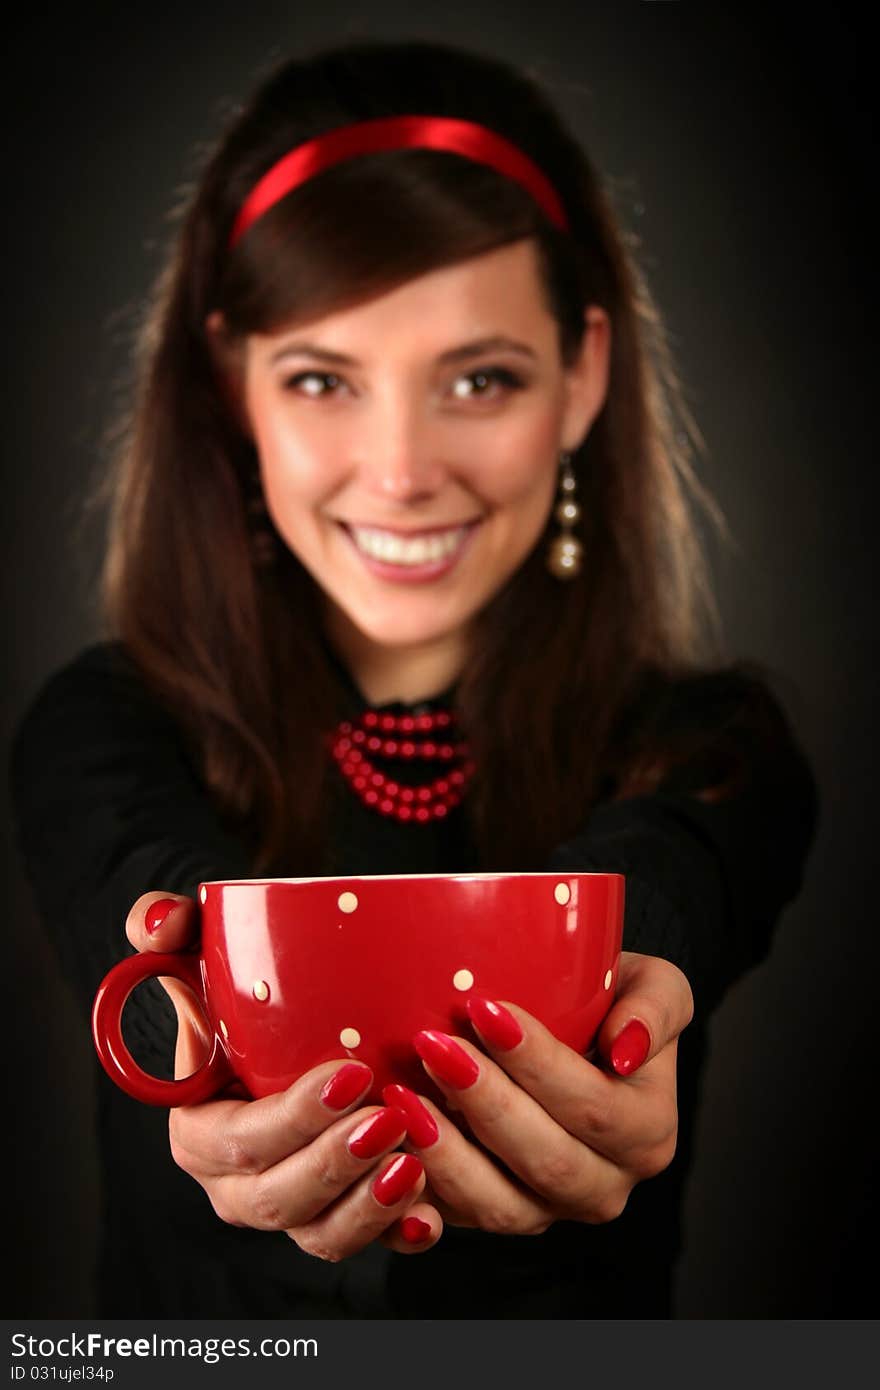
<point>473,141</point>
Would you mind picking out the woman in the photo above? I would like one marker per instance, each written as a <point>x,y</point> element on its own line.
<point>407,448</point>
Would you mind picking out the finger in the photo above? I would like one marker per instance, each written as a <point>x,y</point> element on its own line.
<point>466,1185</point>
<point>195,1035</point>
<point>301,1187</point>
<point>614,1120</point>
<point>168,922</point>
<point>233,1136</point>
<point>654,1004</point>
<point>548,1158</point>
<point>162,922</point>
<point>366,1212</point>
<point>418,1230</point>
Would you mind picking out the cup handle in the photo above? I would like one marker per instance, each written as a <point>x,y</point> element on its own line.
<point>115,1057</point>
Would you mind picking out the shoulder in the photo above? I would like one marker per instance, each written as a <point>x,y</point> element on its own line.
<point>709,698</point>
<point>712,730</point>
<point>101,675</point>
<point>97,701</point>
<point>103,666</point>
<point>707,701</point>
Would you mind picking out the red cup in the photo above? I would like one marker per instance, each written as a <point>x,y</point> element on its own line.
<point>294,972</point>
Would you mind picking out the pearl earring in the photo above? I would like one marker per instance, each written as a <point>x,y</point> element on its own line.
<point>565,550</point>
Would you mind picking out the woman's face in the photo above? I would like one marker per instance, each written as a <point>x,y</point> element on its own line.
<point>409,446</point>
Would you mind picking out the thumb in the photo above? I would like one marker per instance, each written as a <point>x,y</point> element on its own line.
<point>654,1004</point>
<point>169,922</point>
<point>162,922</point>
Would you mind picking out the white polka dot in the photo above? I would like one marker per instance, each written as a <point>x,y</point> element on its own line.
<point>609,976</point>
<point>350,1037</point>
<point>462,979</point>
<point>562,893</point>
<point>223,1029</point>
<point>203,895</point>
<point>261,990</point>
<point>347,902</point>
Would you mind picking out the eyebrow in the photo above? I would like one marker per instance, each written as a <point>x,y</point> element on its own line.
<point>479,346</point>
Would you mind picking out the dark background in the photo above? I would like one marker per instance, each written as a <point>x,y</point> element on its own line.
<point>740,152</point>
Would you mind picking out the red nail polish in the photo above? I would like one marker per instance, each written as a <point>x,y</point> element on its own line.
<point>401,1174</point>
<point>377,1133</point>
<point>630,1048</point>
<point>451,1063</point>
<point>421,1127</point>
<point>414,1231</point>
<point>494,1023</point>
<point>345,1085</point>
<point>157,912</point>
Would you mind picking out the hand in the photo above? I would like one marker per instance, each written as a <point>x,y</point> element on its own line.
<point>574,1138</point>
<point>305,1161</point>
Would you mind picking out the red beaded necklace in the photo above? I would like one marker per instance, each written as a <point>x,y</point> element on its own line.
<point>406,737</point>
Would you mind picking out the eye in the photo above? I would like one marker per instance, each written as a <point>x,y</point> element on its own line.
<point>313,384</point>
<point>479,384</point>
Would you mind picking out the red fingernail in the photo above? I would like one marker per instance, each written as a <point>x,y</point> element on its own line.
<point>157,912</point>
<point>630,1048</point>
<point>377,1133</point>
<point>345,1085</point>
<point>494,1023</point>
<point>421,1127</point>
<point>414,1231</point>
<point>401,1174</point>
<point>450,1062</point>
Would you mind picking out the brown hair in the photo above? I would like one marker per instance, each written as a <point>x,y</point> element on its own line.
<point>235,650</point>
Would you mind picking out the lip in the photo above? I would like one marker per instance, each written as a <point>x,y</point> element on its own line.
<point>413,574</point>
<point>409,531</point>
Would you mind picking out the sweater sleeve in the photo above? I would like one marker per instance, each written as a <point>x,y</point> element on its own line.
<point>708,874</point>
<point>108,807</point>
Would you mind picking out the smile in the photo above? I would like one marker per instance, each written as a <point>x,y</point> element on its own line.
<point>414,557</point>
<point>395,549</point>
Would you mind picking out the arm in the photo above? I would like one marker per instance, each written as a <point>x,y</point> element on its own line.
<point>711,856</point>
<point>716,851</point>
<point>108,806</point>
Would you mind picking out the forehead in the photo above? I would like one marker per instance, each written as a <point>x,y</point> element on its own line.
<point>498,292</point>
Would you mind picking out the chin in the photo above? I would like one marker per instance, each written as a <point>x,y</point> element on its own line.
<point>396,634</point>
<point>394,626</point>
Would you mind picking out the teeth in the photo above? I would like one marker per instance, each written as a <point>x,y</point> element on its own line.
<point>397,550</point>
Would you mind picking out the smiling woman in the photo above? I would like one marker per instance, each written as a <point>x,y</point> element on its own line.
<point>402,578</point>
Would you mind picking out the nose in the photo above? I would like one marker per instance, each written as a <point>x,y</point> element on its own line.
<point>397,454</point>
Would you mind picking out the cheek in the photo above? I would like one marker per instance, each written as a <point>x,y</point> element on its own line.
<point>522,469</point>
<point>293,469</point>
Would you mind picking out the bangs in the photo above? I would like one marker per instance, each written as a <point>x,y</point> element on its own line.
<point>365,227</point>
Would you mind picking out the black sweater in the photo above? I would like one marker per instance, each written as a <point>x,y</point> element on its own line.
<point>110,806</point>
